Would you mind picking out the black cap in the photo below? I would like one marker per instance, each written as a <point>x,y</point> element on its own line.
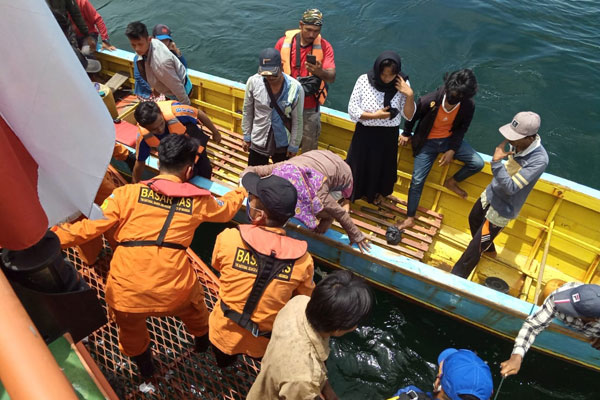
<point>277,194</point>
<point>269,62</point>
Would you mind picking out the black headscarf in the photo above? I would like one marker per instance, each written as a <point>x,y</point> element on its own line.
<point>389,89</point>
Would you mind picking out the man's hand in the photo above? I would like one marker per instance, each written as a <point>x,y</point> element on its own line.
<point>364,246</point>
<point>500,152</point>
<point>246,146</point>
<point>403,140</point>
<point>511,366</point>
<point>173,47</point>
<point>216,136</point>
<point>92,43</point>
<point>382,114</point>
<point>403,87</point>
<point>290,154</point>
<point>108,46</point>
<point>595,342</point>
<point>327,393</point>
<point>446,158</point>
<point>315,69</point>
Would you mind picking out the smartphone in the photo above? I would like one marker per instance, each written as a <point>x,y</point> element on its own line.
<point>311,59</point>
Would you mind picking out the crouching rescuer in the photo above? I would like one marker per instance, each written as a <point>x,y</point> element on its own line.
<point>150,273</point>
<point>261,269</point>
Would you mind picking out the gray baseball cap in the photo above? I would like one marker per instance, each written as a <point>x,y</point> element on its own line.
<point>525,123</point>
<point>581,301</point>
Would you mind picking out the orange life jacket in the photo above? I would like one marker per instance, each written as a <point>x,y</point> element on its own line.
<point>170,113</point>
<point>273,254</point>
<point>286,58</point>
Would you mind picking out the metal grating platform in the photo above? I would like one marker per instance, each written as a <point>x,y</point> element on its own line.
<point>183,374</point>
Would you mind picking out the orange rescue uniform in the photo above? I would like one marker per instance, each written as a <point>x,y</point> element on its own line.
<point>89,251</point>
<point>238,272</point>
<point>152,280</point>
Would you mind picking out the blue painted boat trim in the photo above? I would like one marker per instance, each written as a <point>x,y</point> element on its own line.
<point>498,312</point>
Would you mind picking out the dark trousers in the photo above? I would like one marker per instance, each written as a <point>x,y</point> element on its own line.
<point>255,158</point>
<point>483,232</point>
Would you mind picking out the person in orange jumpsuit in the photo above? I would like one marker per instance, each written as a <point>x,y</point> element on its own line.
<point>90,251</point>
<point>261,269</point>
<point>150,274</point>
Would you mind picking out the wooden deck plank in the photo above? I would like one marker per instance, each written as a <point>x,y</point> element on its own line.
<point>409,232</point>
<point>243,157</point>
<point>429,221</point>
<point>230,160</point>
<point>379,231</point>
<point>422,209</point>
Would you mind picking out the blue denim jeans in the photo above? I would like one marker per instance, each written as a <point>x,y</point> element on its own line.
<point>424,161</point>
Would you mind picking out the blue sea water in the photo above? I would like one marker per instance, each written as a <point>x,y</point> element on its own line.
<point>542,56</point>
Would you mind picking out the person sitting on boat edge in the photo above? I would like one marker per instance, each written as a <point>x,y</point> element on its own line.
<point>575,304</point>
<point>503,198</point>
<point>158,66</point>
<point>272,116</point>
<point>260,270</point>
<point>150,273</point>
<point>96,27</point>
<point>158,120</point>
<point>443,116</point>
<point>294,364</point>
<point>319,176</point>
<point>379,101</point>
<point>142,88</point>
<point>309,58</point>
<point>67,13</point>
<point>462,375</point>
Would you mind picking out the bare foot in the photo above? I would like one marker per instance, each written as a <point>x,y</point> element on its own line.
<point>453,185</point>
<point>378,199</point>
<point>491,253</point>
<point>407,223</point>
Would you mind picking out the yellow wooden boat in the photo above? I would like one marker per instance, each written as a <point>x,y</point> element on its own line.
<point>558,223</point>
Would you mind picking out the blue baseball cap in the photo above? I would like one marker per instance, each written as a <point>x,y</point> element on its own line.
<point>161,32</point>
<point>463,372</point>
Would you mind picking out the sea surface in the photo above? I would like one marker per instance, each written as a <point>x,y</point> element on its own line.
<point>542,56</point>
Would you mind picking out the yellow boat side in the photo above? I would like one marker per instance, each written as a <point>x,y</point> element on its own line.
<point>572,210</point>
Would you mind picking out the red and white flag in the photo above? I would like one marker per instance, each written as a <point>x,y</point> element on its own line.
<point>56,135</point>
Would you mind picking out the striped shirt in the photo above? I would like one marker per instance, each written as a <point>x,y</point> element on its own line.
<point>536,323</point>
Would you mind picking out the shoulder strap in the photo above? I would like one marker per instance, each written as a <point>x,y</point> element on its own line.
<point>160,241</point>
<point>268,268</point>
<point>286,120</point>
<point>298,52</point>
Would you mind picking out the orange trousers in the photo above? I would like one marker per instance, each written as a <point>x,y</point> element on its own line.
<point>133,332</point>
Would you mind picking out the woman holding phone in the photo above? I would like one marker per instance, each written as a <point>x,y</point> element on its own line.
<point>378,102</point>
